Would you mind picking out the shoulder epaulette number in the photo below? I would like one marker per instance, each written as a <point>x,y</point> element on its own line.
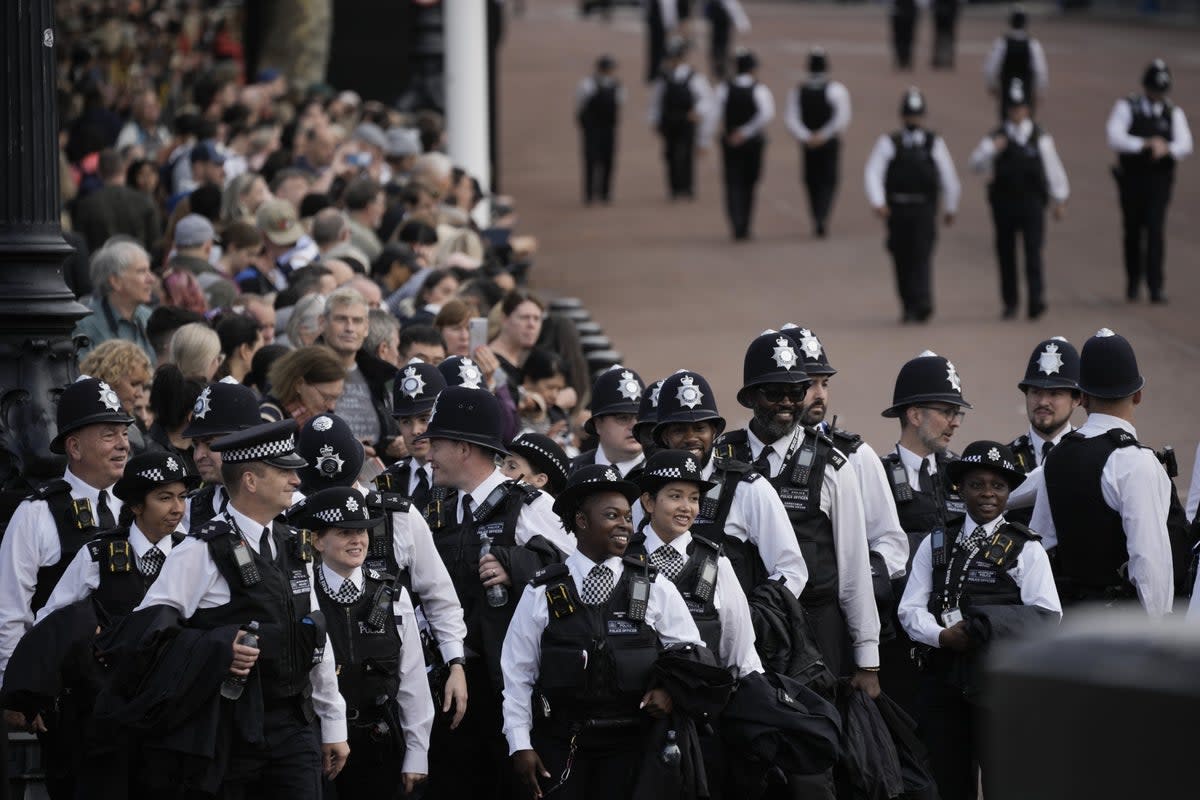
<point>212,529</point>
<point>1122,438</point>
<point>550,573</point>
<point>56,486</point>
<point>389,501</point>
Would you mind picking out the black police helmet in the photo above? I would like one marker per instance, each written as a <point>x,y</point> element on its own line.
<point>818,61</point>
<point>332,456</point>
<point>686,397</point>
<point>87,401</point>
<point>1018,19</point>
<point>617,390</point>
<point>415,387</point>
<point>1157,77</point>
<point>1053,364</point>
<point>771,358</point>
<point>1108,368</point>
<point>462,371</point>
<point>912,103</point>
<point>648,408</point>
<point>467,415</point>
<point>928,378</point>
<point>745,61</point>
<point>223,407</point>
<point>810,348</point>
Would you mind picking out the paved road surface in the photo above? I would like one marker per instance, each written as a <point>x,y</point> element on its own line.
<point>673,291</point>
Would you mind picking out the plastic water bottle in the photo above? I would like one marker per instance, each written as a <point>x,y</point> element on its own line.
<point>670,755</point>
<point>233,685</point>
<point>497,595</point>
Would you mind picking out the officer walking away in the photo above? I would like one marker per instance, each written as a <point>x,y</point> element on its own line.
<point>945,29</point>
<point>817,113</point>
<point>598,101</point>
<point>1105,499</point>
<point>1149,134</point>
<point>580,652</point>
<point>376,645</point>
<point>616,397</point>
<point>723,17</point>
<point>1026,174</point>
<point>680,102</point>
<point>222,408</point>
<point>981,576</point>
<point>743,109</point>
<point>1016,56</point>
<point>908,172</point>
<point>903,18</point>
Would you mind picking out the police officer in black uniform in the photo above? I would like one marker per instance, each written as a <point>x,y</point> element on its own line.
<point>742,110</point>
<point>222,408</point>
<point>817,113</point>
<point>246,566</point>
<point>1149,134</point>
<point>1026,175</point>
<point>647,418</point>
<point>616,398</point>
<point>373,630</point>
<point>903,18</point>
<point>945,29</point>
<point>981,568</point>
<point>413,392</point>
<point>907,174</point>
<point>579,656</point>
<point>1106,497</point>
<point>598,101</point>
<point>679,105</point>
<point>1016,56</point>
<point>928,402</point>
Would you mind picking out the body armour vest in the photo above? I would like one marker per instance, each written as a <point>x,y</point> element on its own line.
<point>366,645</point>
<point>911,176</point>
<point>600,110</point>
<point>76,522</point>
<point>122,584</point>
<point>200,506</point>
<point>978,576</point>
<point>815,108</point>
<point>728,473</point>
<point>597,661</point>
<point>395,479</point>
<point>697,583</point>
<point>740,106</point>
<point>1017,63</point>
<point>920,512</point>
<point>1018,174</point>
<point>381,551</point>
<point>677,101</point>
<point>1146,125</point>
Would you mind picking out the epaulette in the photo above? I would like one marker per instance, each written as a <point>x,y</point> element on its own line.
<point>212,529</point>
<point>549,574</point>
<point>386,480</point>
<point>1019,442</point>
<point>722,463</point>
<point>641,562</point>
<point>837,458</point>
<point>846,441</point>
<point>1023,530</point>
<point>707,543</point>
<point>376,575</point>
<point>1122,438</point>
<point>389,501</point>
<point>751,476</point>
<point>56,486</point>
<point>530,491</point>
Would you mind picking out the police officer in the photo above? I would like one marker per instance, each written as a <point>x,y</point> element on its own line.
<point>400,545</point>
<point>903,18</point>
<point>474,502</point>
<point>1149,134</point>
<point>376,646</point>
<point>413,392</point>
<point>741,512</point>
<point>1026,174</point>
<point>742,110</point>
<point>928,402</point>
<point>818,112</point>
<point>222,408</point>
<point>1105,499</point>
<point>723,17</point>
<point>662,21</point>
<point>576,702</point>
<point>945,28</point>
<point>51,525</point>
<point>647,418</point>
<point>824,506</point>
<point>907,173</point>
<point>245,566</point>
<point>981,565</point>
<point>1016,56</point>
<point>616,397</point>
<point>537,460</point>
<point>680,102</point>
<point>598,101</point>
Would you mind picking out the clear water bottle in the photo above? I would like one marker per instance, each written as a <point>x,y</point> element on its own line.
<point>497,595</point>
<point>670,755</point>
<point>233,685</point>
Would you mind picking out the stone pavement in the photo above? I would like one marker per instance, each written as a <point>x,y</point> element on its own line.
<point>672,290</point>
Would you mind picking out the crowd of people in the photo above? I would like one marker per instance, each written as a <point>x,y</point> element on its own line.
<point>346,509</point>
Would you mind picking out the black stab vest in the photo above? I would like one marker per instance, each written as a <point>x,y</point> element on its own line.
<point>122,584</point>
<point>367,654</point>
<point>1147,125</point>
<point>381,552</point>
<point>704,612</point>
<point>1017,63</point>
<point>815,108</point>
<point>986,578</point>
<point>395,479</point>
<point>912,176</point>
<point>740,106</point>
<point>75,526</point>
<point>924,511</point>
<point>1018,173</point>
<point>200,506</point>
<point>677,102</point>
<point>600,110</point>
<point>714,512</point>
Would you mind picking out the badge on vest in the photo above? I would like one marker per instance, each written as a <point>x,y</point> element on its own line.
<point>300,582</point>
<point>951,617</point>
<point>694,606</point>
<point>622,627</point>
<point>366,629</point>
<point>978,575</point>
<point>490,530</point>
<point>794,498</point>
<point>955,506</point>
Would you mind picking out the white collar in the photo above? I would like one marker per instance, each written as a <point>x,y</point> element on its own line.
<point>250,529</point>
<point>969,525</point>
<point>580,565</point>
<point>1021,132</point>
<point>141,545</point>
<point>743,80</point>
<point>334,581</point>
<point>623,466</point>
<point>481,492</point>
<point>913,461</point>
<point>1106,422</point>
<point>654,541</point>
<point>1036,438</point>
<point>85,491</point>
<point>779,446</point>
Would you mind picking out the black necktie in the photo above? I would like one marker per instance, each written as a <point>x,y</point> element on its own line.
<point>422,491</point>
<point>104,515</point>
<point>264,545</point>
<point>925,479</point>
<point>467,512</point>
<point>762,464</point>
<point>1046,448</point>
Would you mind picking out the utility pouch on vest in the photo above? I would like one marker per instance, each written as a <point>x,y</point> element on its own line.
<point>310,637</point>
<point>639,598</point>
<point>559,600</point>
<point>937,547</point>
<point>245,563</point>
<point>120,559</point>
<point>706,584</point>
<point>898,477</point>
<point>82,510</point>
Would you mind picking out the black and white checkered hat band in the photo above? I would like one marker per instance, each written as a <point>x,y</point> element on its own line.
<point>532,445</point>
<point>261,450</point>
<point>339,514</point>
<point>989,461</point>
<point>665,472</point>
<point>152,475</point>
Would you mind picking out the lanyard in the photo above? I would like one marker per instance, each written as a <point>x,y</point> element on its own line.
<point>962,577</point>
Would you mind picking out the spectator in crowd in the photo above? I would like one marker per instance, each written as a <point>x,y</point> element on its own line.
<point>122,284</point>
<point>304,324</point>
<point>303,383</point>
<point>194,236</point>
<point>144,128</point>
<point>520,325</point>
<point>369,290</point>
<point>241,243</point>
<point>383,337</point>
<point>172,396</point>
<point>181,289</point>
<point>423,342</point>
<point>142,175</point>
<point>123,366</point>
<point>291,185</point>
<point>115,208</point>
<point>260,367</point>
<point>241,337</point>
<point>453,323</point>
<point>364,207</point>
<point>422,237</point>
<point>196,350</point>
<point>263,311</point>
<point>543,380</point>
<point>161,327</point>
<point>438,288</point>
<point>242,197</point>
<point>393,271</point>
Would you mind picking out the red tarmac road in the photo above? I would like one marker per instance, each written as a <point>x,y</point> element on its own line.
<point>672,290</point>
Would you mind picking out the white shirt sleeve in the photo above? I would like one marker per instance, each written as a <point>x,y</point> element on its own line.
<point>885,534</point>
<point>413,699</point>
<point>982,155</point>
<point>991,64</point>
<point>1033,575</point>
<point>1193,495</point>
<point>1117,127</point>
<point>327,700</point>
<point>430,581</point>
<point>758,515</point>
<point>791,116</point>
<point>669,13</point>
<point>520,660</point>
<point>1041,72</point>
<point>583,93</point>
<point>77,583</point>
<point>707,107</point>
<point>668,614</point>
<point>765,112</point>
<point>710,123</point>
<point>1056,175</point>
<point>856,593</point>
<point>538,519</point>
<point>876,169</point>
<point>1181,140</point>
<point>1025,495</point>
<point>30,543</point>
<point>656,98</point>
<point>918,623</point>
<point>951,190</point>
<point>737,627</point>
<point>1135,482</point>
<point>838,97</point>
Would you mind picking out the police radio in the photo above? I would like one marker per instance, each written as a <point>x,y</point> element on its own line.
<point>706,584</point>
<point>639,597</point>
<point>937,546</point>
<point>901,488</point>
<point>381,610</point>
<point>802,469</point>
<point>245,563</point>
<point>1166,457</point>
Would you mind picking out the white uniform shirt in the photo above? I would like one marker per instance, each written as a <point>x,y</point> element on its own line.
<point>30,543</point>
<point>190,581</point>
<point>912,465</point>
<point>83,574</point>
<point>1135,485</point>
<point>1121,117</point>
<point>736,647</point>
<point>413,548</point>
<point>1032,573</point>
<point>624,467</point>
<point>995,60</point>
<point>1056,176</point>
<point>521,656</point>
<point>841,501</point>
<point>884,151</point>
<point>764,109</point>
<point>1193,495</point>
<point>838,97</point>
<point>537,518</point>
<point>702,95</point>
<point>414,703</point>
<point>219,500</point>
<point>757,516</point>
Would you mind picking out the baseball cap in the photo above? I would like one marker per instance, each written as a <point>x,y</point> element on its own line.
<point>193,231</point>
<point>277,220</point>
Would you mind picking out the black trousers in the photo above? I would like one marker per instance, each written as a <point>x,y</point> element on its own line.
<point>285,765</point>
<point>828,625</point>
<point>1028,220</point>
<point>1144,201</point>
<point>472,760</point>
<point>945,25</point>
<point>601,769</point>
<point>742,167</point>
<point>599,148</point>
<point>679,151</point>
<point>952,729</point>
<point>375,768</point>
<point>912,232</point>
<point>719,36</point>
<point>656,45</point>
<point>904,26</point>
<point>821,177</point>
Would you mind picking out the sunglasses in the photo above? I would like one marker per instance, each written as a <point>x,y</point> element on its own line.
<point>775,394</point>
